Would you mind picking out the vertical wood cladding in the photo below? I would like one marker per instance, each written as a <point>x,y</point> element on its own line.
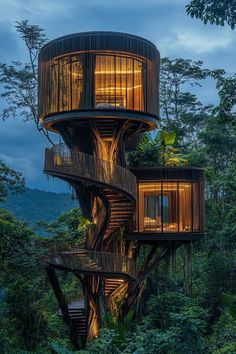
<point>99,70</point>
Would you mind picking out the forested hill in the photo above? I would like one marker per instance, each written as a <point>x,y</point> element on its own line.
<point>35,205</point>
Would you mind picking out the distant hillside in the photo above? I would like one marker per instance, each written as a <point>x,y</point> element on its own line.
<point>35,205</point>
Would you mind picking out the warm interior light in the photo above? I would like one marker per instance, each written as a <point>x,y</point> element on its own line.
<point>117,88</point>
<point>119,82</point>
<point>122,72</point>
<point>165,206</point>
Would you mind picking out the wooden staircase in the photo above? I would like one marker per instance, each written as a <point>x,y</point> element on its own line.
<point>77,314</point>
<point>111,284</point>
<point>76,309</point>
<point>119,187</point>
<point>121,210</point>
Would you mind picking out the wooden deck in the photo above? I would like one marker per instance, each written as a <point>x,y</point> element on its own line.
<point>90,262</point>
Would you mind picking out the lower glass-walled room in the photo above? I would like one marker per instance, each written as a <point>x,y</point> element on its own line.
<point>170,203</point>
<point>168,207</point>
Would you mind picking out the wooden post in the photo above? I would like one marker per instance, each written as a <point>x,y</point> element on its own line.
<point>63,305</point>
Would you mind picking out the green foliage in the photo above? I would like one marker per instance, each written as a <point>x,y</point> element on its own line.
<point>28,320</point>
<point>151,341</point>
<point>19,81</point>
<point>10,181</point>
<point>229,303</point>
<point>160,308</point>
<point>223,338</point>
<point>167,138</point>
<point>121,328</point>
<point>147,153</point>
<point>106,343</point>
<point>157,151</point>
<point>172,325</point>
<point>213,11</point>
<point>189,327</point>
<point>59,349</point>
<point>66,231</point>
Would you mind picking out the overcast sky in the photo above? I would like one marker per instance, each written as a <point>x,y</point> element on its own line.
<point>164,22</point>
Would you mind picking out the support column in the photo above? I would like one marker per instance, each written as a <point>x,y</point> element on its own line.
<point>63,305</point>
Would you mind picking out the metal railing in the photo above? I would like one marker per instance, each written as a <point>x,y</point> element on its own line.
<point>63,160</point>
<point>93,262</point>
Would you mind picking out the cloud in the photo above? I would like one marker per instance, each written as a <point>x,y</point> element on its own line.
<point>140,3</point>
<point>163,22</point>
<point>202,42</point>
<point>23,165</point>
<point>17,9</point>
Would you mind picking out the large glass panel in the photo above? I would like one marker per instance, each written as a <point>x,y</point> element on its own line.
<point>64,85</point>
<point>196,212</point>
<point>76,81</point>
<point>105,89</point>
<point>170,207</point>
<point>202,206</point>
<point>54,86</point>
<point>150,207</point>
<point>185,207</point>
<point>130,83</point>
<point>118,83</point>
<point>138,86</point>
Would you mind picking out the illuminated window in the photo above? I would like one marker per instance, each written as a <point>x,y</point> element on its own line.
<point>89,80</point>
<point>168,207</point>
<point>119,83</point>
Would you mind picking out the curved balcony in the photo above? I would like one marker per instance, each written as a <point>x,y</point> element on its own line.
<point>66,163</point>
<point>117,183</point>
<point>90,262</point>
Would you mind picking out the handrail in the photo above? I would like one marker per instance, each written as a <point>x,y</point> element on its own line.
<point>86,261</point>
<point>64,160</point>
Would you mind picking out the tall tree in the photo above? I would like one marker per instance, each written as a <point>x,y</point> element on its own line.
<point>10,180</point>
<point>181,110</point>
<point>19,80</point>
<point>213,11</point>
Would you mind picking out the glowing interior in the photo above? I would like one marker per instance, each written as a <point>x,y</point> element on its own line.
<point>93,80</point>
<point>168,207</point>
<point>118,82</point>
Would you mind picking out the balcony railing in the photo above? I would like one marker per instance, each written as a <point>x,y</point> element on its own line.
<point>60,159</point>
<point>92,262</point>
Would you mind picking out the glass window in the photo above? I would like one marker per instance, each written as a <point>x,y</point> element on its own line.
<point>196,212</point>
<point>53,97</point>
<point>64,85</point>
<point>169,207</point>
<point>119,83</point>
<point>158,207</point>
<point>150,210</point>
<point>89,80</point>
<point>185,207</point>
<point>76,81</point>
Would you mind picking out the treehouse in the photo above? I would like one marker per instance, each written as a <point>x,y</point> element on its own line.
<point>100,91</point>
<point>170,204</point>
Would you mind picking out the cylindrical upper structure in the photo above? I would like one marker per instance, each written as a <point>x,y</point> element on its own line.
<point>99,74</point>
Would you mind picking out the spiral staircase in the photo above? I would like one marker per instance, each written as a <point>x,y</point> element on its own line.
<point>119,187</point>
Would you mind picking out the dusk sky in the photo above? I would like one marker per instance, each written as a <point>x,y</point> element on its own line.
<point>164,22</point>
